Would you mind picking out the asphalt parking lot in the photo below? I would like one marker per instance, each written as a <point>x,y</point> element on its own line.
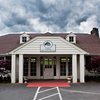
<point>87,91</point>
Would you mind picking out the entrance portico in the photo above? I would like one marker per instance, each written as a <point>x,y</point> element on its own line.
<point>47,58</point>
<point>48,67</point>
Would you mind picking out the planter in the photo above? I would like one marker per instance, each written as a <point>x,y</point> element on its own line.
<point>69,79</point>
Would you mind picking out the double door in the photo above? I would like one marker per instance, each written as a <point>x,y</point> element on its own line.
<point>48,68</point>
<point>48,65</point>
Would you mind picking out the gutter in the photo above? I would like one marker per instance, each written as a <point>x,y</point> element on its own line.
<point>4,54</point>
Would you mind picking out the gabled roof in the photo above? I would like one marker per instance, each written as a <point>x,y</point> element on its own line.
<point>87,42</point>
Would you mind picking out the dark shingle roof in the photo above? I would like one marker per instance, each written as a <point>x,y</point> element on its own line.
<point>8,43</point>
<point>87,42</point>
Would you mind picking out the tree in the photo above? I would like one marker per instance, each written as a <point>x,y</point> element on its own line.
<point>5,65</point>
<point>5,70</point>
<point>93,65</point>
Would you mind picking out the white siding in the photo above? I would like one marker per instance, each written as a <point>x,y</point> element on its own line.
<point>62,46</point>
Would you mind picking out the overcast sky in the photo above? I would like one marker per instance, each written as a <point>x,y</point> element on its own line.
<point>49,15</point>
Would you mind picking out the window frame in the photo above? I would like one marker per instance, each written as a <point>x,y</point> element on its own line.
<point>33,66</point>
<point>24,39</point>
<point>63,66</point>
<point>71,38</point>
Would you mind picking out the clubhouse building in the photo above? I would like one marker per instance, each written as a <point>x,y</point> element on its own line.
<point>49,55</point>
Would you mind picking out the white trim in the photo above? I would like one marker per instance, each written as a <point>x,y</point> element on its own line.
<point>45,37</point>
<point>5,54</point>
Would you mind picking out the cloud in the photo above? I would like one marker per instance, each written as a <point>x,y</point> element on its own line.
<point>49,15</point>
<point>88,24</point>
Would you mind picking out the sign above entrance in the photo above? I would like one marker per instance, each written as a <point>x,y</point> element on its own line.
<point>48,46</point>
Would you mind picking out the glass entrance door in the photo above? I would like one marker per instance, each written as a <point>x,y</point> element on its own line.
<point>48,68</point>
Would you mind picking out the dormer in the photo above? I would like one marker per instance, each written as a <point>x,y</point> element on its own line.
<point>24,38</point>
<point>71,37</point>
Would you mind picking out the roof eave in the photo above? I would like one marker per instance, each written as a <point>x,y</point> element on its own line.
<point>94,54</point>
<point>3,54</point>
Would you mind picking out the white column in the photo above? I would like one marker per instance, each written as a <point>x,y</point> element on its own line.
<point>74,68</point>
<point>82,68</point>
<point>13,68</point>
<point>20,68</point>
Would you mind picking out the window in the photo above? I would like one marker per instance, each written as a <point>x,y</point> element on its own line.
<point>1,58</point>
<point>41,67</point>
<point>54,66</point>
<point>71,39</point>
<point>63,66</point>
<point>69,66</point>
<point>25,66</point>
<point>33,66</point>
<point>24,39</point>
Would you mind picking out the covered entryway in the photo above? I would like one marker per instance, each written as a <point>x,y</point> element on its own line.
<point>47,66</point>
<point>48,58</point>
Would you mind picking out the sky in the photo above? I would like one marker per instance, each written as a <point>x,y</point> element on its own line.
<point>49,15</point>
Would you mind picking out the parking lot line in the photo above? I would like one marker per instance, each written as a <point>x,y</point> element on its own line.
<point>47,90</point>
<point>36,93</point>
<point>76,91</point>
<point>59,93</point>
<point>48,96</point>
<point>45,97</point>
